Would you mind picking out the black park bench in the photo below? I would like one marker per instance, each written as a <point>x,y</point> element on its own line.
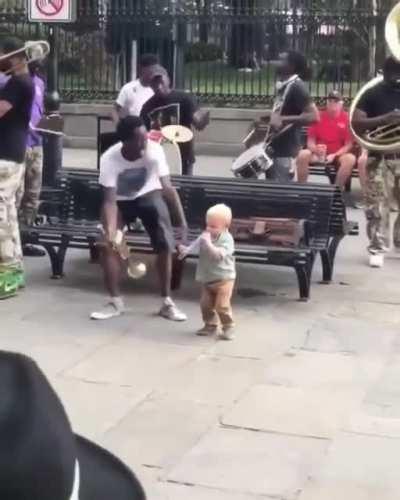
<point>70,219</point>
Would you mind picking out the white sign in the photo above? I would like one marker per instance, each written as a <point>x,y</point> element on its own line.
<point>52,11</point>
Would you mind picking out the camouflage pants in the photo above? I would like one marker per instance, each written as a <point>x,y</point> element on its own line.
<point>382,191</point>
<point>28,194</point>
<point>11,176</point>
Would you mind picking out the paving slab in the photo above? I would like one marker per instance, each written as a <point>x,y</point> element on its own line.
<point>259,336</point>
<point>383,397</point>
<point>293,410</point>
<point>170,491</point>
<point>299,368</point>
<point>134,362</point>
<point>357,468</point>
<point>213,379</point>
<point>380,313</point>
<point>361,422</point>
<point>251,462</point>
<point>93,409</point>
<point>158,431</point>
<point>349,335</point>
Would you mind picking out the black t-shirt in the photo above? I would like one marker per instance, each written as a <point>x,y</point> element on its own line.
<point>379,100</point>
<point>14,125</point>
<point>176,108</point>
<point>296,100</point>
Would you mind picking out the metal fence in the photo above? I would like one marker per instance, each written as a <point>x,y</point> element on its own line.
<point>223,51</point>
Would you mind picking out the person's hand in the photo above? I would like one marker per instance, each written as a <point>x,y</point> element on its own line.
<point>320,151</point>
<point>276,121</point>
<point>206,237</point>
<point>182,251</point>
<point>181,235</point>
<point>330,158</point>
<point>109,235</point>
<point>201,119</point>
<point>392,117</point>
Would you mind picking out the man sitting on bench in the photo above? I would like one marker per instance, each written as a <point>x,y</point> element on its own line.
<point>329,141</point>
<point>135,177</point>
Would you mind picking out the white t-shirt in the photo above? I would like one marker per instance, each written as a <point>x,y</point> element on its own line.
<point>133,179</point>
<point>132,96</point>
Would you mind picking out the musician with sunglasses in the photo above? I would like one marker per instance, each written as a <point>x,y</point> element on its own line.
<point>380,105</point>
<point>292,110</point>
<point>16,98</point>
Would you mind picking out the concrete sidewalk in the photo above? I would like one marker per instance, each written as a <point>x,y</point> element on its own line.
<point>303,405</point>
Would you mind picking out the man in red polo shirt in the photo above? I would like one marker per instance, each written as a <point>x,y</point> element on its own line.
<point>330,141</point>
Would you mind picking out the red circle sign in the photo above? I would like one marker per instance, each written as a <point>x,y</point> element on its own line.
<point>49,7</point>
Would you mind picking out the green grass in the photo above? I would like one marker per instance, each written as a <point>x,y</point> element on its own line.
<point>215,79</point>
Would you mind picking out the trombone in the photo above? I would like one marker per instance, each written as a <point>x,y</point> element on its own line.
<point>34,51</point>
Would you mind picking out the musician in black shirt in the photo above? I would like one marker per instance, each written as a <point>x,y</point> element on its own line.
<point>16,99</point>
<point>292,107</point>
<point>380,105</point>
<point>173,107</point>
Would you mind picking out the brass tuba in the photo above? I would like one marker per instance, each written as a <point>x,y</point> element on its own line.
<point>385,138</point>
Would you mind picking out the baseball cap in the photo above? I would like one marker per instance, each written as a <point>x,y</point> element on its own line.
<point>156,71</point>
<point>335,95</point>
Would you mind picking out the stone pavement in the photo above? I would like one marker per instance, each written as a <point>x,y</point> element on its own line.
<point>303,405</point>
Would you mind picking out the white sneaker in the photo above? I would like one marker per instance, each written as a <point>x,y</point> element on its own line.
<point>111,310</point>
<point>170,311</point>
<point>376,260</point>
<point>227,334</point>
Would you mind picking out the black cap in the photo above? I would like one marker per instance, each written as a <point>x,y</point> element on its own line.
<point>335,95</point>
<point>156,71</point>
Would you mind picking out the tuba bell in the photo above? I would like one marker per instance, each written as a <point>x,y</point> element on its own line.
<point>385,138</point>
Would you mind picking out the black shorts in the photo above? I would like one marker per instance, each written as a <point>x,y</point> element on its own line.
<point>153,212</point>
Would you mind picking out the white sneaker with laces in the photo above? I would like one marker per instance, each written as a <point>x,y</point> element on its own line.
<point>170,311</point>
<point>376,260</point>
<point>114,308</point>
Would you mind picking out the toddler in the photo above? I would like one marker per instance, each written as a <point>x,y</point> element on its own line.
<point>216,272</point>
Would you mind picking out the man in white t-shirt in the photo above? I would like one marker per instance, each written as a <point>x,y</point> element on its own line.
<point>136,93</point>
<point>135,177</point>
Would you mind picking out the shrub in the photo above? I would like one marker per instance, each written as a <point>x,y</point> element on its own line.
<point>70,65</point>
<point>201,51</point>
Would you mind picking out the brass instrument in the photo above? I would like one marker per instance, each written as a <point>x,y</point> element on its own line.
<point>37,51</point>
<point>135,268</point>
<point>34,51</point>
<point>385,138</point>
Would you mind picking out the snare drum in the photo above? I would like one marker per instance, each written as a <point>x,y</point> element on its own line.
<point>252,163</point>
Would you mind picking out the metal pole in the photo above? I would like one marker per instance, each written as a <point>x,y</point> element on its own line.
<point>52,144</point>
<point>179,77</point>
<point>179,40</point>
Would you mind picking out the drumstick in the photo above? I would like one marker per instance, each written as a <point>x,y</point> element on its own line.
<point>250,134</point>
<point>47,131</point>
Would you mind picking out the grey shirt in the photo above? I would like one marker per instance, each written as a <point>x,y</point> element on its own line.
<point>210,269</point>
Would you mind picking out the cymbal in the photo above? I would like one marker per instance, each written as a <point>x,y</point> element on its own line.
<point>177,133</point>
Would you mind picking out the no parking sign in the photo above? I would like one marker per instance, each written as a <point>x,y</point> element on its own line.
<point>52,11</point>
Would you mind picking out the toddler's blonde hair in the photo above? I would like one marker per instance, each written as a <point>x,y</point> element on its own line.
<point>221,211</point>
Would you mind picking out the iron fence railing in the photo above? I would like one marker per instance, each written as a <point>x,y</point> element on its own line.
<point>226,48</point>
